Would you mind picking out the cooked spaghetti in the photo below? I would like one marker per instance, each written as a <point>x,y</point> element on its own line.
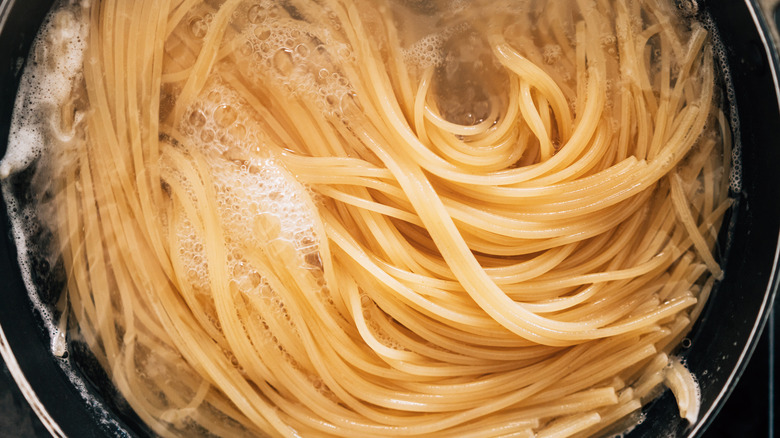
<point>388,218</point>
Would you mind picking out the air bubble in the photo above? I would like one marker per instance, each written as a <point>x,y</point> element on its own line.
<point>283,61</point>
<point>607,40</point>
<point>246,49</point>
<point>262,34</point>
<point>256,14</point>
<point>313,260</point>
<point>225,115</point>
<point>238,131</point>
<point>344,53</point>
<point>302,50</point>
<point>689,7</point>
<point>214,96</point>
<point>198,27</point>
<point>207,136</point>
<point>197,119</point>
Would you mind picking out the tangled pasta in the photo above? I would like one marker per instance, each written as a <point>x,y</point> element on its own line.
<point>378,218</point>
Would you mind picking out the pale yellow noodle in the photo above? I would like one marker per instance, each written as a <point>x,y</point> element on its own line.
<point>526,275</point>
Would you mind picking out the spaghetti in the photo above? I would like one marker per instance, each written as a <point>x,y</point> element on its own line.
<point>378,218</point>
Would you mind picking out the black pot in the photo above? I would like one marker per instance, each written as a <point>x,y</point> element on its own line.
<point>77,401</point>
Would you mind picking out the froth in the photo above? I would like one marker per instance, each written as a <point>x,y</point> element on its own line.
<point>720,54</point>
<point>259,206</point>
<point>426,52</point>
<point>52,73</point>
<point>429,50</point>
<point>300,57</point>
<point>259,203</point>
<point>220,122</point>
<point>249,181</point>
<point>48,82</point>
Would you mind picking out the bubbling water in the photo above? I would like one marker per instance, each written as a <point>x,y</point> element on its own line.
<point>46,126</point>
<point>278,55</point>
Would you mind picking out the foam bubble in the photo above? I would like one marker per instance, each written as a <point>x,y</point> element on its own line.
<point>426,52</point>
<point>300,58</point>
<point>53,71</point>
<point>220,122</point>
<point>719,53</point>
<point>198,27</point>
<point>260,203</point>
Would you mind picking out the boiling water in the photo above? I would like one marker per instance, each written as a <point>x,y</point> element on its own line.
<point>50,111</point>
<point>44,125</point>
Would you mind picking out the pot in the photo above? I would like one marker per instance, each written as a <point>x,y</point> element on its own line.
<point>73,397</point>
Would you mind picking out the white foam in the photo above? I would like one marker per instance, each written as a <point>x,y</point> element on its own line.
<point>301,59</point>
<point>426,52</point>
<point>250,186</point>
<point>52,72</point>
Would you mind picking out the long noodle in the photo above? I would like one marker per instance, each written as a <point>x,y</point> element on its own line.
<point>311,218</point>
